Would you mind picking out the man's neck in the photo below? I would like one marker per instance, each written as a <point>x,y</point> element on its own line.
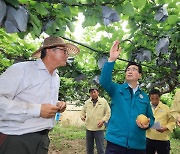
<point>49,65</point>
<point>133,84</point>
<point>94,99</point>
<point>154,106</point>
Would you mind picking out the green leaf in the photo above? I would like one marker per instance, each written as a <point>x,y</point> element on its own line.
<point>168,1</point>
<point>172,5</point>
<point>14,2</point>
<point>34,19</point>
<point>160,1</point>
<point>74,11</point>
<point>128,9</point>
<point>167,27</point>
<point>172,19</point>
<point>118,8</point>
<point>119,35</point>
<point>36,30</point>
<point>71,26</point>
<point>55,27</point>
<point>70,2</point>
<point>23,1</point>
<point>60,33</point>
<point>105,1</point>
<point>21,35</point>
<point>41,9</point>
<point>139,3</point>
<point>90,1</point>
<point>89,21</point>
<point>63,12</point>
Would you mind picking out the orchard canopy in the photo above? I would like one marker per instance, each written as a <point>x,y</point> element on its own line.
<point>148,31</point>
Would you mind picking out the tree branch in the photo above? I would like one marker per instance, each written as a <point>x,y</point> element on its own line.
<point>82,4</point>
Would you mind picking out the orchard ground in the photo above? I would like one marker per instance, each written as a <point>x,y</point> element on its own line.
<point>71,140</point>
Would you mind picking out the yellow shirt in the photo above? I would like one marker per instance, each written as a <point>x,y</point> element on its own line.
<point>93,114</point>
<point>162,115</point>
<point>175,109</point>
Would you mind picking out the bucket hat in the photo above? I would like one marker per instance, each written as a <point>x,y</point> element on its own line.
<point>54,41</point>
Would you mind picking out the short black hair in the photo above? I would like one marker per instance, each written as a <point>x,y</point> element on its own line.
<point>154,92</point>
<point>134,63</point>
<point>43,53</point>
<point>93,88</point>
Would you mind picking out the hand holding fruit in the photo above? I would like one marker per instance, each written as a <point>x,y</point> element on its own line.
<point>142,121</point>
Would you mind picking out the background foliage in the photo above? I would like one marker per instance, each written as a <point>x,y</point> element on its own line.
<point>150,37</point>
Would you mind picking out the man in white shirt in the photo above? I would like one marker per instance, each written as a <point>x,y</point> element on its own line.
<point>29,99</point>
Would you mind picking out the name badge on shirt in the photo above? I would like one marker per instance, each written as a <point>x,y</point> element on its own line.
<point>141,96</point>
<point>161,110</point>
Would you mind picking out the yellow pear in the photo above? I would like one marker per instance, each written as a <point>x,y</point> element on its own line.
<point>143,119</point>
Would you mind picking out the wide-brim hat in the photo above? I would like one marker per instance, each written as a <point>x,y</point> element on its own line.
<point>53,41</point>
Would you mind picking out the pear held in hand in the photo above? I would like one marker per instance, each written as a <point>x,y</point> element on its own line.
<point>142,118</point>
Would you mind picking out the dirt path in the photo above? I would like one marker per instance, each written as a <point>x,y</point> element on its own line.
<point>69,147</point>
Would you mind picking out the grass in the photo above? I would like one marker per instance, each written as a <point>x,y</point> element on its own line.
<point>175,146</point>
<point>62,134</point>
<point>68,132</point>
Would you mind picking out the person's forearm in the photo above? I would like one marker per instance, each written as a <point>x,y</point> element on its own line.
<point>107,116</point>
<point>106,75</point>
<point>14,110</point>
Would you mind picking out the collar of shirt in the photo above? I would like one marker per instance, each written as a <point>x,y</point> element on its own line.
<point>153,106</point>
<point>158,106</point>
<point>42,66</point>
<point>94,101</point>
<point>134,89</point>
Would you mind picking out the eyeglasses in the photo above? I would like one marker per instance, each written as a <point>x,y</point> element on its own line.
<point>131,69</point>
<point>62,49</point>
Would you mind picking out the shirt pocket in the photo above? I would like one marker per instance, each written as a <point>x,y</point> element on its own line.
<point>142,106</point>
<point>100,108</point>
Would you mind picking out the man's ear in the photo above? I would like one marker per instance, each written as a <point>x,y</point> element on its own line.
<point>48,51</point>
<point>140,76</point>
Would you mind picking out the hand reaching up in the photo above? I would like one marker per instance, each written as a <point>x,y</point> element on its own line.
<point>115,51</point>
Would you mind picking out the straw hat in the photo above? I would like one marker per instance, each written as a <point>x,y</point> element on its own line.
<point>53,41</point>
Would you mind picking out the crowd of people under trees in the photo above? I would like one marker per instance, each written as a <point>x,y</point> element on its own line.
<point>29,102</point>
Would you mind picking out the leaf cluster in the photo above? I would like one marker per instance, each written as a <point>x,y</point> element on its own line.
<point>148,36</point>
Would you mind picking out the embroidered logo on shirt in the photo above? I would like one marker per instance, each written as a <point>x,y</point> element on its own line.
<point>141,96</point>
